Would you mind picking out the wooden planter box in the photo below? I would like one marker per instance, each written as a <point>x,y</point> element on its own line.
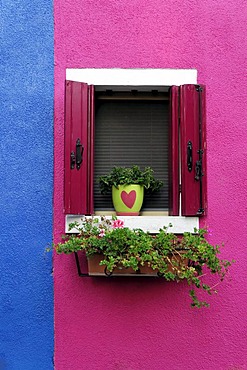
<point>95,269</point>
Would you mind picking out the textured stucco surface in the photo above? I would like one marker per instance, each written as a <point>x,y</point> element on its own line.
<point>139,325</point>
<point>26,182</point>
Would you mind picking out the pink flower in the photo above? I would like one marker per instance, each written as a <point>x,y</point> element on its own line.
<point>117,224</point>
<point>210,232</point>
<point>102,233</point>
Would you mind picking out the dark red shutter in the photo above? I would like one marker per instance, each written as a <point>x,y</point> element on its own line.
<point>79,126</point>
<point>192,148</point>
<point>174,152</point>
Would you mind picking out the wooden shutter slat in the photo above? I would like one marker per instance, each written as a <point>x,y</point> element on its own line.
<point>174,152</point>
<point>91,137</point>
<point>204,148</point>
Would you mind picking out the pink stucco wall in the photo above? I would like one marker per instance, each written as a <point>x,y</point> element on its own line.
<point>143,325</point>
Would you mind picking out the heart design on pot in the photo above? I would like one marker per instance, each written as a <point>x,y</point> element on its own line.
<point>128,198</point>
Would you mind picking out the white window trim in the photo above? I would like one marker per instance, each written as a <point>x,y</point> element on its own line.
<point>132,77</point>
<point>138,77</point>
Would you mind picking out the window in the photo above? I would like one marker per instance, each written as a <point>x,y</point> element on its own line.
<point>131,127</point>
<point>180,126</point>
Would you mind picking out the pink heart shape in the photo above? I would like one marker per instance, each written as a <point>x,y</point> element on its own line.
<point>128,198</point>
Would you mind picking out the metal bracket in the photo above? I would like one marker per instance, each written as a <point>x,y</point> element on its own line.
<point>79,267</point>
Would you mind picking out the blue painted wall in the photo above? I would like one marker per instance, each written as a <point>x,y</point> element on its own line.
<point>26,183</point>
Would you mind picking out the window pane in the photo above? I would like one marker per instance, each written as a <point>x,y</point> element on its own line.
<point>132,132</point>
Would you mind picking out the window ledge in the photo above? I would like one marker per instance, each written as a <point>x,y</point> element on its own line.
<point>148,223</point>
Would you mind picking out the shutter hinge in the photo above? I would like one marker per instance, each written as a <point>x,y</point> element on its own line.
<point>200,211</point>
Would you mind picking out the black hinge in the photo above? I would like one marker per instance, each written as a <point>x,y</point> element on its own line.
<point>200,211</point>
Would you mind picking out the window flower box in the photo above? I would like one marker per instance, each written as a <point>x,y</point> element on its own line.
<point>115,250</point>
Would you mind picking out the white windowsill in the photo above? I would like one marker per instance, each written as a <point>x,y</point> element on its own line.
<point>148,223</point>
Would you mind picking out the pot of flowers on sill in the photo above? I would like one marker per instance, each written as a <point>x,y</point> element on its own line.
<point>127,185</point>
<point>115,250</point>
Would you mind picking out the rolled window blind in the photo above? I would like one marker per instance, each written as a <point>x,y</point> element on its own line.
<point>127,133</point>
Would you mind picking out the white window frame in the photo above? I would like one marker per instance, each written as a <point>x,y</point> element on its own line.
<point>142,78</point>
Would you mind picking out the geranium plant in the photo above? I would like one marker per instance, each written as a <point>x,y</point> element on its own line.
<point>188,257</point>
<point>130,175</point>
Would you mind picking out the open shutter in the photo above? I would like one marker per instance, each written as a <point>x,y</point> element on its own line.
<point>193,146</point>
<point>174,152</point>
<point>79,132</point>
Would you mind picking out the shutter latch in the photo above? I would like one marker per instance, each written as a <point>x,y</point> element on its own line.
<point>76,159</point>
<point>189,156</point>
<point>198,168</point>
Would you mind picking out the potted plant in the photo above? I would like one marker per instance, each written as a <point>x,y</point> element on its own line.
<point>113,249</point>
<point>127,185</point>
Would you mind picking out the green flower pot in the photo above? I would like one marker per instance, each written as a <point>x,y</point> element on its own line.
<point>128,199</point>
